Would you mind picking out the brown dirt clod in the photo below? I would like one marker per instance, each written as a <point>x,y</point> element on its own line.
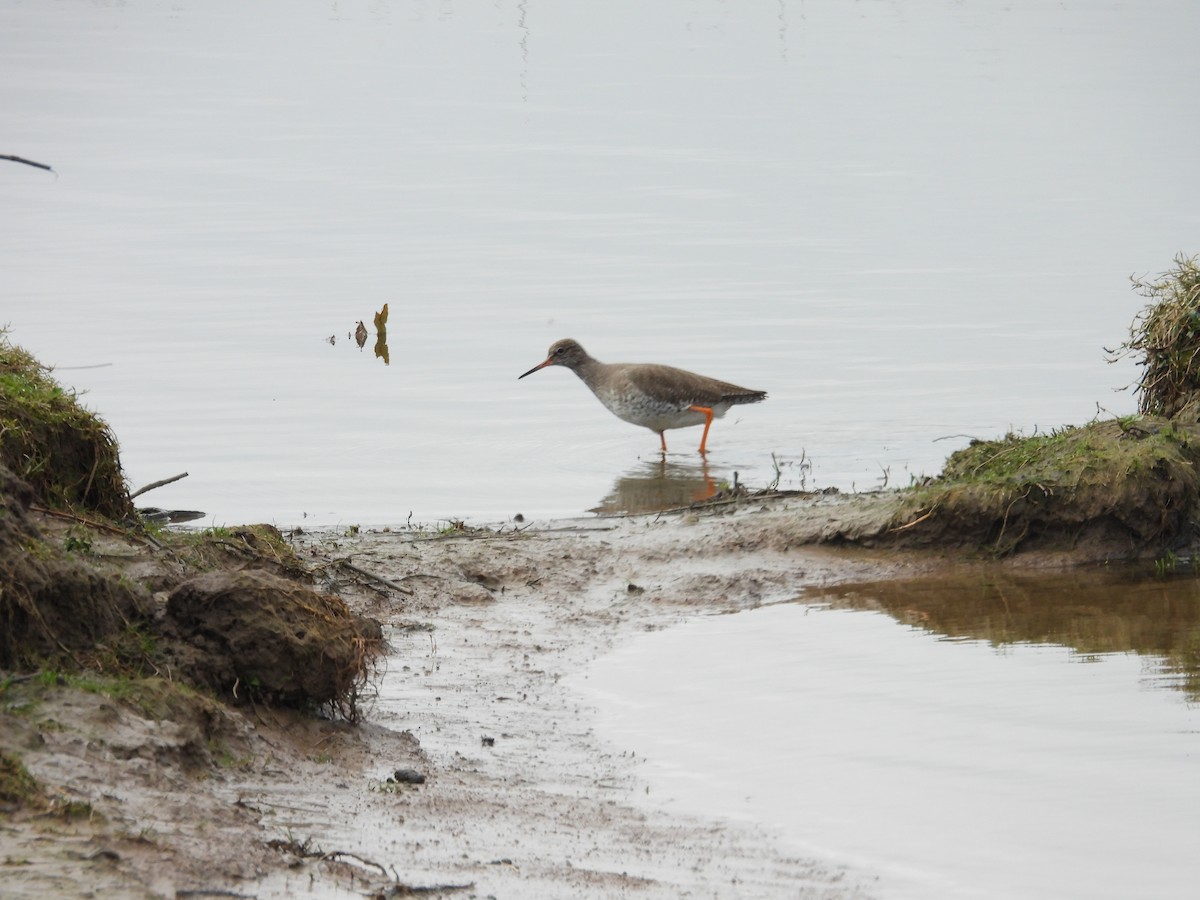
<point>254,634</point>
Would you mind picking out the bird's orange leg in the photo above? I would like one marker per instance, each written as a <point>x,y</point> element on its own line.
<point>662,436</point>
<point>708,417</point>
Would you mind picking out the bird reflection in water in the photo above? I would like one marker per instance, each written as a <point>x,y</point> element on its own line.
<point>381,347</point>
<point>657,485</point>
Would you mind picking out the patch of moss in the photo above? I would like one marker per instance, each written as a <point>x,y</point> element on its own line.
<point>261,546</point>
<point>153,697</point>
<point>1133,480</point>
<point>1101,452</point>
<point>17,787</point>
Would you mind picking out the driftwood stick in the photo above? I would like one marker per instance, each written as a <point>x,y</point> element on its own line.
<point>913,523</point>
<point>100,526</point>
<point>28,162</point>
<point>157,484</point>
<point>371,576</point>
<point>340,854</point>
<point>91,523</point>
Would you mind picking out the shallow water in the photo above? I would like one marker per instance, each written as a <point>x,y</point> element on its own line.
<point>909,223</point>
<point>944,744</point>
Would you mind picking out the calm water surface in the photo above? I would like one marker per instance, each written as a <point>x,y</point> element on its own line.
<point>909,222</point>
<point>955,752</point>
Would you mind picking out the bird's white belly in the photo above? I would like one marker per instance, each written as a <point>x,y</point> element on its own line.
<point>639,409</point>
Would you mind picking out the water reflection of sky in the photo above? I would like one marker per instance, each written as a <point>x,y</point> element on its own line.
<point>904,222</point>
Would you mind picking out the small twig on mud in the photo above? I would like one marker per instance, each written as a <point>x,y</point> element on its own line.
<point>87,488</point>
<point>102,853</point>
<point>157,484</point>
<point>335,854</point>
<point>409,890</point>
<point>916,521</point>
<point>576,529</point>
<point>1004,521</point>
<point>262,712</point>
<point>302,849</point>
<point>702,505</point>
<point>370,576</point>
<point>17,679</point>
<point>327,737</point>
<point>100,526</point>
<point>158,545</point>
<point>241,549</point>
<point>58,514</point>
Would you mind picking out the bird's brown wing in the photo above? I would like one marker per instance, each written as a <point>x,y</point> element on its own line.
<point>683,388</point>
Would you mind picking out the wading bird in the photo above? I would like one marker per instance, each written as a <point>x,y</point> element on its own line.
<point>653,396</point>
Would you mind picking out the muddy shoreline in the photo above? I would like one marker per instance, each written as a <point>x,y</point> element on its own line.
<point>520,796</point>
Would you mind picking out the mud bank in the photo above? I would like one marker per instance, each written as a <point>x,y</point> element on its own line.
<point>150,791</point>
<point>471,771</point>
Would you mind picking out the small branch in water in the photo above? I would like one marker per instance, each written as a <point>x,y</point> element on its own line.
<point>157,484</point>
<point>28,162</point>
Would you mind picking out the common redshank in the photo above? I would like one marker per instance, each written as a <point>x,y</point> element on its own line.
<point>653,396</point>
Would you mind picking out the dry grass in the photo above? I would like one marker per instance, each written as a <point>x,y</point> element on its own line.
<point>1166,338</point>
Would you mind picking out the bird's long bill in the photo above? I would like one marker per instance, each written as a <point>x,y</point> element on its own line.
<point>540,365</point>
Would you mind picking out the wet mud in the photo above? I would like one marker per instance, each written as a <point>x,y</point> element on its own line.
<point>153,786</point>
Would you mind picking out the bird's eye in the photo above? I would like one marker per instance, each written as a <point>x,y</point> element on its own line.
<point>559,351</point>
